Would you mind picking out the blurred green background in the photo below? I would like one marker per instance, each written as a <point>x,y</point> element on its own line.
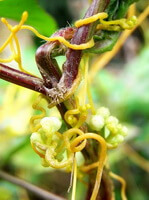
<point>123,86</point>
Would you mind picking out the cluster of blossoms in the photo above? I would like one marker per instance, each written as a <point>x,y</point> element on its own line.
<point>47,141</point>
<point>113,131</point>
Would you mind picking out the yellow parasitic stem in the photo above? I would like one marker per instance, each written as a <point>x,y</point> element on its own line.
<point>132,10</point>
<point>11,58</point>
<point>16,55</point>
<point>69,134</point>
<point>102,157</point>
<point>35,128</point>
<point>87,168</point>
<point>122,181</point>
<point>74,179</point>
<point>91,19</point>
<point>60,39</point>
<point>86,86</point>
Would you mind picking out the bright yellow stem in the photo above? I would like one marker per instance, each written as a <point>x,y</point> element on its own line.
<point>74,179</point>
<point>102,157</point>
<point>122,181</point>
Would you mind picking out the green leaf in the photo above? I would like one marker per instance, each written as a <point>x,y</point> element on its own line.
<point>38,18</point>
<point>105,44</point>
<point>118,8</point>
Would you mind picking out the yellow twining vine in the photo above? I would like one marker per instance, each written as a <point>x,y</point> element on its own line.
<point>60,39</point>
<point>91,19</point>
<point>113,25</point>
<point>59,150</point>
<point>117,25</point>
<point>13,42</point>
<point>81,111</point>
<point>123,183</point>
<point>36,106</point>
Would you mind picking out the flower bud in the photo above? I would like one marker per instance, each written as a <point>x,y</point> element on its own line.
<point>124,131</point>
<point>36,137</point>
<point>119,138</point>
<point>134,19</point>
<point>104,112</point>
<point>96,122</point>
<point>51,124</point>
<point>116,139</point>
<point>112,120</point>
<point>113,128</point>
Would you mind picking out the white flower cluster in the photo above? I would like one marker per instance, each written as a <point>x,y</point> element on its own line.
<point>114,132</point>
<point>49,125</point>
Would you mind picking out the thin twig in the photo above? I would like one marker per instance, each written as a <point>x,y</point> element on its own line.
<point>30,187</point>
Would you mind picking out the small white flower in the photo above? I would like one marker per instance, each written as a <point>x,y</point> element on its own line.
<point>35,137</point>
<point>119,138</point>
<point>51,124</point>
<point>104,112</point>
<point>116,139</point>
<point>113,128</point>
<point>112,120</point>
<point>96,122</point>
<point>124,131</point>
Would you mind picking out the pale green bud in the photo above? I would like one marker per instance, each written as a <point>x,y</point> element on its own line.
<point>119,138</point>
<point>51,124</point>
<point>130,23</point>
<point>96,122</point>
<point>85,107</point>
<point>112,120</point>
<point>124,131</point>
<point>104,112</point>
<point>72,119</point>
<point>36,137</point>
<point>119,126</point>
<point>134,19</point>
<point>116,139</point>
<point>113,128</point>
